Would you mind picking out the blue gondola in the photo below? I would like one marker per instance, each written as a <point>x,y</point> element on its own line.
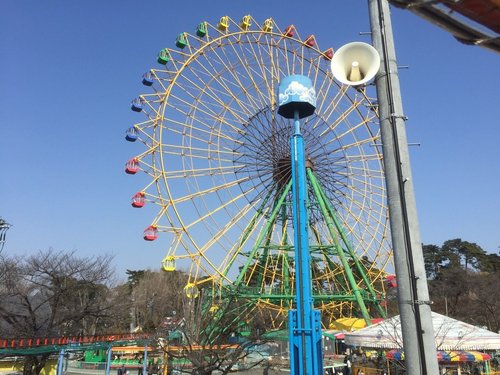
<point>136,105</point>
<point>131,134</point>
<point>147,79</point>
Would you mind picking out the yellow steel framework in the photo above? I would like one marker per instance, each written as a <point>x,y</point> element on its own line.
<point>217,155</point>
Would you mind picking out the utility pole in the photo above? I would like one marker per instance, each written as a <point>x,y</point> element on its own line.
<point>413,295</point>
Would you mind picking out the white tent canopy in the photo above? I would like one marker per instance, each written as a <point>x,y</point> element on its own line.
<point>451,334</point>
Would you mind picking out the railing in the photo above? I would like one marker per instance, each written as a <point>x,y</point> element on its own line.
<point>19,343</point>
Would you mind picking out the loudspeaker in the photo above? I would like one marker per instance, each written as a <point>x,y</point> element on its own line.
<point>355,63</point>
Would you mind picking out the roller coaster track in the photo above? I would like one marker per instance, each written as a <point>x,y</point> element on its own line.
<point>39,345</point>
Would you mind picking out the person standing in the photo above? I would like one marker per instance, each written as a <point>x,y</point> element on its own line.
<point>348,364</point>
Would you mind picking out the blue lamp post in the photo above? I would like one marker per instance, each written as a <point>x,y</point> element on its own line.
<point>297,99</point>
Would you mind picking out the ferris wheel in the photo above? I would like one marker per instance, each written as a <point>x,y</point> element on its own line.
<point>218,159</point>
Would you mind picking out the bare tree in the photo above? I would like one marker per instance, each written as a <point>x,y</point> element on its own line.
<point>210,335</point>
<point>53,294</point>
<point>157,295</point>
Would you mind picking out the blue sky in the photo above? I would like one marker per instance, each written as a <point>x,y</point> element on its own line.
<point>70,69</point>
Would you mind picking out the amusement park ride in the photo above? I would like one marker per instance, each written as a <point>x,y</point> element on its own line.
<point>290,218</point>
<point>224,177</point>
<point>218,156</point>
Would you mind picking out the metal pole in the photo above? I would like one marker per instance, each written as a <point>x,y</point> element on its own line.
<point>60,362</point>
<point>297,99</point>
<point>307,325</point>
<point>145,361</point>
<point>302,247</point>
<point>413,296</point>
<point>108,360</point>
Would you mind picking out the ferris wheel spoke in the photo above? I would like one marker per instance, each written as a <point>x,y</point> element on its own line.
<point>205,249</point>
<point>203,193</point>
<point>229,79</point>
<point>243,83</point>
<point>199,172</point>
<point>348,131</point>
<point>216,97</point>
<point>222,231</point>
<point>330,108</point>
<point>195,152</point>
<point>186,113</point>
<point>221,206</point>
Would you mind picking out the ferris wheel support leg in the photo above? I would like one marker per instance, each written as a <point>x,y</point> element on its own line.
<point>334,228</point>
<point>333,224</point>
<point>306,355</point>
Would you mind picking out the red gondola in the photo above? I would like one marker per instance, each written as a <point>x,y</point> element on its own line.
<point>310,41</point>
<point>151,233</point>
<point>290,31</point>
<point>328,53</point>
<point>132,166</point>
<point>391,281</point>
<point>138,200</point>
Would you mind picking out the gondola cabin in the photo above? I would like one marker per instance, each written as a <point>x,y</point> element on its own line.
<point>201,29</point>
<point>191,290</point>
<point>223,23</point>
<point>131,134</point>
<point>147,79</point>
<point>290,31</point>
<point>328,54</point>
<point>151,233</point>
<point>246,22</point>
<point>181,41</point>
<point>164,56</point>
<point>310,41</point>
<point>136,105</point>
<point>391,281</point>
<point>138,200</point>
<point>132,166</point>
<point>267,26</point>
<point>168,263</point>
